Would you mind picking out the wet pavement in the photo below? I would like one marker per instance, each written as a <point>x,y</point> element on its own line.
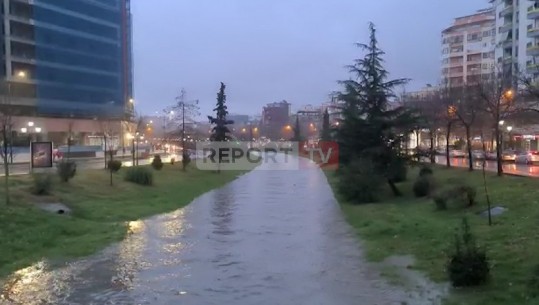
<point>508,167</point>
<point>270,237</point>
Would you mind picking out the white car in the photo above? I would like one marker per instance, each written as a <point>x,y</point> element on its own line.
<point>529,157</point>
<point>457,153</point>
<point>510,155</point>
<point>478,155</point>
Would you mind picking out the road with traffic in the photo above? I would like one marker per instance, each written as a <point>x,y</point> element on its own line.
<point>508,167</point>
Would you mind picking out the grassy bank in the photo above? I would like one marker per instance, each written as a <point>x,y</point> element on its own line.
<point>408,225</point>
<point>100,212</point>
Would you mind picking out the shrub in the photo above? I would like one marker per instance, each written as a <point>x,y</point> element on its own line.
<point>186,159</point>
<point>468,265</point>
<point>461,195</point>
<point>172,160</point>
<point>533,282</point>
<point>425,171</point>
<point>66,170</point>
<point>467,194</point>
<point>42,184</point>
<point>359,182</point>
<point>423,186</point>
<point>114,165</point>
<point>139,175</point>
<point>397,170</point>
<point>440,199</point>
<point>157,164</point>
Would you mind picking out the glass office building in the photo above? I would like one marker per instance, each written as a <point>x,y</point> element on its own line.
<point>68,58</point>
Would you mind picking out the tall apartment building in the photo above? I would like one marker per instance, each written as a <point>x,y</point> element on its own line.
<point>67,59</point>
<point>517,25</point>
<point>468,48</point>
<point>275,117</point>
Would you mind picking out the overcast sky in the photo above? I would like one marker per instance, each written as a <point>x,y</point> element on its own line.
<point>270,50</point>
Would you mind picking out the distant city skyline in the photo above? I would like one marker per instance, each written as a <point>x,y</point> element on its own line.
<point>281,50</point>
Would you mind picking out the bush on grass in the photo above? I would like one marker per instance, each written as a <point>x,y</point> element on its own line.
<point>425,171</point>
<point>139,175</point>
<point>461,195</point>
<point>66,170</point>
<point>42,184</point>
<point>440,199</point>
<point>423,186</point>
<point>467,194</point>
<point>114,165</point>
<point>359,182</point>
<point>157,164</point>
<point>468,265</point>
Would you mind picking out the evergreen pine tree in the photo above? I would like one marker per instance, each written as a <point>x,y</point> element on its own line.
<point>220,132</point>
<point>371,128</point>
<point>325,134</point>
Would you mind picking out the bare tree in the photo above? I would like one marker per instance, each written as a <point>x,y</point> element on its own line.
<point>70,126</point>
<point>109,129</point>
<point>467,111</point>
<point>429,110</point>
<point>184,113</point>
<point>6,134</point>
<point>497,94</point>
<point>448,117</point>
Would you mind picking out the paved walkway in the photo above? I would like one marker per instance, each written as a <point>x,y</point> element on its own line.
<point>275,236</point>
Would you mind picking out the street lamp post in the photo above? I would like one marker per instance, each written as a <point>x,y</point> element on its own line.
<point>509,129</point>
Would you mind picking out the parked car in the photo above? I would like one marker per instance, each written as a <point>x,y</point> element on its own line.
<point>455,153</point>
<point>491,155</point>
<point>478,155</point>
<point>528,157</point>
<point>440,151</point>
<point>510,155</point>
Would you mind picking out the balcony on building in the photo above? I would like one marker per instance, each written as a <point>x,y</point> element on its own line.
<point>532,49</point>
<point>507,43</point>
<point>508,26</point>
<point>21,11</point>
<point>532,68</point>
<point>533,31</point>
<point>508,10</point>
<point>533,12</point>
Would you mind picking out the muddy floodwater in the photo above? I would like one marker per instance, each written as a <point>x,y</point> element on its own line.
<point>274,236</point>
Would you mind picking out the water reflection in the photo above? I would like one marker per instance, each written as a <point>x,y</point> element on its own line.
<point>270,237</point>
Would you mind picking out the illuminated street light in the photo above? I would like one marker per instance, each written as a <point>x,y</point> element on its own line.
<point>21,74</point>
<point>509,128</point>
<point>24,130</point>
<point>38,129</point>
<point>501,122</point>
<point>131,101</point>
<point>288,127</point>
<point>243,130</point>
<point>30,124</point>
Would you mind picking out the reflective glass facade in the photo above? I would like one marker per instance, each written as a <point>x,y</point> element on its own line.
<point>70,57</point>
